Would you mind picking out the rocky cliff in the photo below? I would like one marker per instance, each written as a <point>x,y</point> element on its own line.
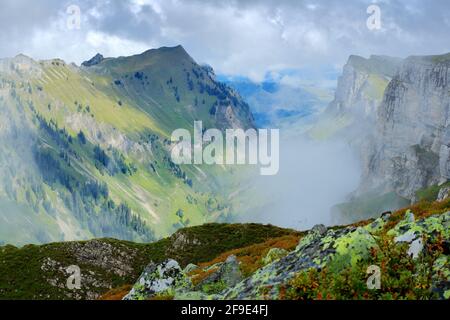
<point>360,88</point>
<point>396,114</point>
<point>359,92</point>
<point>410,150</point>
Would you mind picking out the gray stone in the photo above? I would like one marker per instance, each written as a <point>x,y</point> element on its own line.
<point>415,241</point>
<point>165,277</point>
<point>319,229</point>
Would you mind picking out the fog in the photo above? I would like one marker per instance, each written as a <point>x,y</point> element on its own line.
<point>313,177</point>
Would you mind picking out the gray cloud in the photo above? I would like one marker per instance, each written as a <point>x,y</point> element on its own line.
<point>246,37</point>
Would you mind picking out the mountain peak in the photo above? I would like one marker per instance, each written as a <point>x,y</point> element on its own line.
<point>168,48</point>
<point>177,52</point>
<point>98,58</point>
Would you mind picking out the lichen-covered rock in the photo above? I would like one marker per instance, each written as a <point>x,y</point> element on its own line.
<point>355,246</point>
<point>414,238</point>
<point>313,251</point>
<point>322,249</point>
<point>430,226</point>
<point>377,226</point>
<point>412,232</point>
<point>273,255</point>
<point>345,247</point>
<point>316,232</point>
<point>230,272</point>
<point>163,278</point>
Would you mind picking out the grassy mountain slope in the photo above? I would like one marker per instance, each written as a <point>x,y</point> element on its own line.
<point>38,272</point>
<point>86,151</point>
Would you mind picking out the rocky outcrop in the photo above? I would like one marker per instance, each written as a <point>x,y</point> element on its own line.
<point>98,58</point>
<point>336,250</point>
<point>157,279</point>
<point>397,118</point>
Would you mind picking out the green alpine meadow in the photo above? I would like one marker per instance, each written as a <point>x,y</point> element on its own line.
<point>314,139</point>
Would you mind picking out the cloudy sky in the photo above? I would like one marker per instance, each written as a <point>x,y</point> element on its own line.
<point>241,37</point>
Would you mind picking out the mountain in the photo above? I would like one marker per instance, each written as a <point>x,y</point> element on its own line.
<point>411,148</point>
<point>221,261</point>
<point>86,150</point>
<point>358,94</point>
<point>174,90</point>
<point>395,115</point>
<point>362,84</point>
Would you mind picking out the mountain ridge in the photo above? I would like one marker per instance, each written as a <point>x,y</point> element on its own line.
<point>247,261</point>
<point>90,129</point>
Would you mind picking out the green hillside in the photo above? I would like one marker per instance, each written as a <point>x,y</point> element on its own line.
<point>86,150</point>
<point>38,272</point>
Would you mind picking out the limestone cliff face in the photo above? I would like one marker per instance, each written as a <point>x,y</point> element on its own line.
<point>411,148</point>
<point>360,88</point>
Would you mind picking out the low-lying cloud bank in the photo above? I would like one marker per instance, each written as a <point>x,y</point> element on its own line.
<point>314,176</point>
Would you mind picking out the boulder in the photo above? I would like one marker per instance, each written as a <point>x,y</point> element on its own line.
<point>414,238</point>
<point>163,278</point>
<point>412,232</point>
<point>354,246</point>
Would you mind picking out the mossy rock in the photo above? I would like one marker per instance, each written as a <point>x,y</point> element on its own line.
<point>160,279</point>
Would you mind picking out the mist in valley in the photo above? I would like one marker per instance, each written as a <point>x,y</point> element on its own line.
<point>313,177</point>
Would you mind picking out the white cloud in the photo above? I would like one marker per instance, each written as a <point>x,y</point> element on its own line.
<point>236,37</point>
<point>112,46</point>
